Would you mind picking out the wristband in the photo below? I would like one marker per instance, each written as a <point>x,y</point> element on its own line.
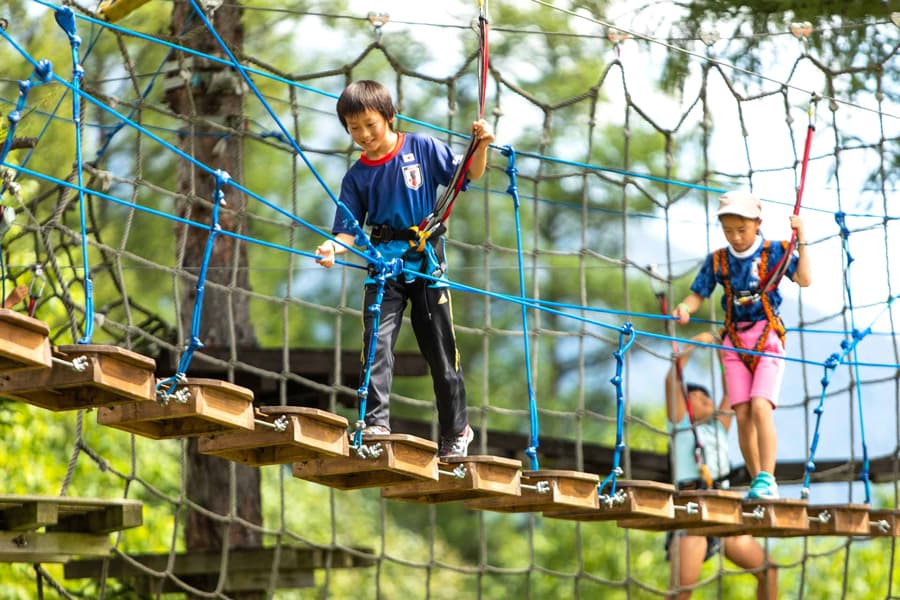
<point>684,306</point>
<point>803,243</point>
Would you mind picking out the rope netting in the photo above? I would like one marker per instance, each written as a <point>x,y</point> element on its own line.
<point>597,173</point>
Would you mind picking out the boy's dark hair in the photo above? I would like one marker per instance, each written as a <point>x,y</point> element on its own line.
<point>363,95</point>
<point>696,387</point>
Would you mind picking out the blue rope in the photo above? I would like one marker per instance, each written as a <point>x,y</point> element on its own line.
<point>65,18</point>
<point>42,73</point>
<point>840,219</point>
<point>195,344</point>
<point>244,70</point>
<point>626,331</point>
<point>361,237</point>
<point>513,190</point>
<point>380,273</point>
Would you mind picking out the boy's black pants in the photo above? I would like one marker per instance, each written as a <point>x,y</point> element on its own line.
<point>432,321</point>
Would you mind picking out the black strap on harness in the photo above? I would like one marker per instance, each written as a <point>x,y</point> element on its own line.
<point>382,234</point>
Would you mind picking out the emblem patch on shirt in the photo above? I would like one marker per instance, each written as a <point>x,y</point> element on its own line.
<point>413,176</point>
<point>408,157</point>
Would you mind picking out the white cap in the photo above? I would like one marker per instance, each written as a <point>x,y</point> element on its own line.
<point>740,203</point>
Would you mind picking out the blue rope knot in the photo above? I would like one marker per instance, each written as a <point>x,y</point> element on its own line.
<point>65,18</point>
<point>840,217</point>
<point>25,86</point>
<point>810,466</point>
<point>14,117</point>
<point>833,361</point>
<point>508,151</point>
<point>44,71</point>
<point>531,452</point>
<point>616,380</point>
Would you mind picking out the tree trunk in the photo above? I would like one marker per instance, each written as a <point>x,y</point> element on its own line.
<point>213,92</point>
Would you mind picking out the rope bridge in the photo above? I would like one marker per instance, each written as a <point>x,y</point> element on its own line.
<point>557,318</point>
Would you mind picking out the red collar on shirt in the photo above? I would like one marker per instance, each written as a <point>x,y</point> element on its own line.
<point>386,157</point>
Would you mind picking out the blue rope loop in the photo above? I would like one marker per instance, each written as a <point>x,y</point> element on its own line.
<point>626,331</point>
<point>380,271</point>
<point>166,388</point>
<point>534,425</point>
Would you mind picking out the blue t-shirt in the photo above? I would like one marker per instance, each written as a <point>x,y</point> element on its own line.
<point>714,438</point>
<point>743,273</point>
<point>398,190</point>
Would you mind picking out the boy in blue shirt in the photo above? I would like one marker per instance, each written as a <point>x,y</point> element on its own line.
<point>752,322</point>
<point>392,188</point>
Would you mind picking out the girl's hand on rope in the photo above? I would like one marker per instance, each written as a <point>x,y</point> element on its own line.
<point>483,132</point>
<point>797,226</point>
<point>682,313</point>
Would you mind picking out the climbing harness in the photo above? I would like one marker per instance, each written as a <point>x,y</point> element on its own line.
<point>731,329</point>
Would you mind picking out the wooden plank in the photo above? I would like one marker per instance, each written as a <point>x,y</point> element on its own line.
<point>115,517</point>
<point>482,476</point>
<point>31,514</point>
<point>632,499</point>
<point>50,547</point>
<point>24,343</point>
<point>249,569</point>
<point>694,508</point>
<point>402,458</point>
<point>310,433</point>
<point>212,406</point>
<point>545,490</point>
<point>113,376</point>
<point>765,518</point>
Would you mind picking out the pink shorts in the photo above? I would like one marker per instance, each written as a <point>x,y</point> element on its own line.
<point>765,382</point>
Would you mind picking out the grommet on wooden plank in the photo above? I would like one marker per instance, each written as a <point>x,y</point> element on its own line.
<point>383,460</point>
<point>73,526</point>
<point>282,434</point>
<point>24,342</point>
<point>463,478</point>
<point>549,490</point>
<point>884,522</point>
<point>765,518</point>
<point>210,406</point>
<point>633,499</point>
<point>85,376</point>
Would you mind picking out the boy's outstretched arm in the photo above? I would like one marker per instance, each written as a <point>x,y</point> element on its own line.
<point>327,251</point>
<point>803,273</point>
<point>484,133</point>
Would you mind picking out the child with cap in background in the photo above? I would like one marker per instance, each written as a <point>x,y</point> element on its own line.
<point>752,322</point>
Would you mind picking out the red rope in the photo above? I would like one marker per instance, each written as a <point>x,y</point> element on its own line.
<point>778,272</point>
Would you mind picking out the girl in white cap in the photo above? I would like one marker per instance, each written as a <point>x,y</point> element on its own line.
<point>746,269</point>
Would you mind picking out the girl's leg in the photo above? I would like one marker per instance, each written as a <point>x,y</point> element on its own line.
<point>748,437</point>
<point>766,436</point>
<point>691,551</point>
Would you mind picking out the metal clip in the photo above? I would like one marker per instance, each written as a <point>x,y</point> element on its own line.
<point>378,20</point>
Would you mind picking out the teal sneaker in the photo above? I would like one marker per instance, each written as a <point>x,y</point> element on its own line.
<point>763,488</point>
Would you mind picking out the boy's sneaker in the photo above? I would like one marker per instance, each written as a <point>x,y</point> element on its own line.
<point>456,445</point>
<point>763,488</point>
<point>371,430</point>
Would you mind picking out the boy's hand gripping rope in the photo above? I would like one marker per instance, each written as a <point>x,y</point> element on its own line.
<point>166,388</point>
<point>612,497</point>
<point>699,450</point>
